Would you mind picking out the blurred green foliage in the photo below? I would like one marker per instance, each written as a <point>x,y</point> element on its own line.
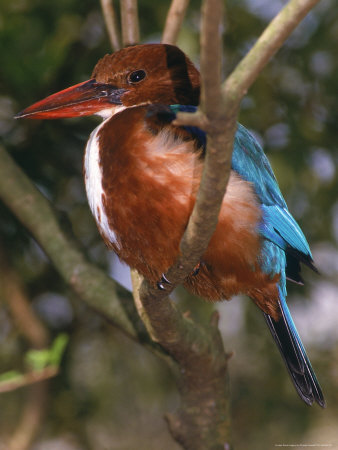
<point>39,359</point>
<point>111,393</point>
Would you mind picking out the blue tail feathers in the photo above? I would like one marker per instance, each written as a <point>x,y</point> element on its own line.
<point>294,355</point>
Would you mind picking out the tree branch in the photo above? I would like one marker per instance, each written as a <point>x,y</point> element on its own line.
<point>200,367</point>
<point>129,20</point>
<point>37,335</point>
<point>202,420</point>
<point>111,23</point>
<point>174,21</point>
<point>199,353</point>
<point>29,378</point>
<point>270,41</point>
<point>221,127</point>
<point>34,211</point>
<point>31,419</point>
<point>216,169</point>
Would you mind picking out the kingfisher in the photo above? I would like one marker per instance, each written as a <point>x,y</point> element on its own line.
<point>142,174</point>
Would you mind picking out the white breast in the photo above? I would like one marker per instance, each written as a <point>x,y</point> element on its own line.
<point>93,182</point>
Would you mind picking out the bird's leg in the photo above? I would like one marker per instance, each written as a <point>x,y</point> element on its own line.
<point>196,269</point>
<point>163,281</point>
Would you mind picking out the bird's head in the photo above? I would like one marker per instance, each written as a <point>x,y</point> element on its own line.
<point>141,74</point>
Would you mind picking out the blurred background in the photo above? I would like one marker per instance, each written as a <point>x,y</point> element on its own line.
<point>111,393</point>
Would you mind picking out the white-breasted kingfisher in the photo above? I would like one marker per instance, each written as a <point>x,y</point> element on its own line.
<point>142,173</point>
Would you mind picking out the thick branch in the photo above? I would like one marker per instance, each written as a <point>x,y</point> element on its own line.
<point>184,341</point>
<point>174,21</point>
<point>34,211</point>
<point>109,16</point>
<point>129,20</point>
<point>200,365</point>
<point>202,419</point>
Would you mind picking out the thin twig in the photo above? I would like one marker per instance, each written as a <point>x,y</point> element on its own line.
<point>270,41</point>
<point>34,407</point>
<point>174,21</point>
<point>129,21</point>
<point>111,23</point>
<point>30,422</point>
<point>19,305</point>
<point>29,378</point>
<point>211,56</point>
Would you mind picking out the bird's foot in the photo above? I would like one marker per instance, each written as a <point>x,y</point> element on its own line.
<point>164,280</point>
<point>197,269</point>
<point>162,283</point>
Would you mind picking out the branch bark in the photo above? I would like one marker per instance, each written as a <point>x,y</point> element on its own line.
<point>212,116</point>
<point>199,363</point>
<point>129,21</point>
<point>109,16</point>
<point>34,211</point>
<point>202,420</point>
<point>174,21</point>
<point>194,425</point>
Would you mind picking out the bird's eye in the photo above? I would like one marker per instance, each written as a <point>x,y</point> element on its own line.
<point>137,76</point>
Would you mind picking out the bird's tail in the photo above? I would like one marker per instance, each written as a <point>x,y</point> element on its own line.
<point>293,352</point>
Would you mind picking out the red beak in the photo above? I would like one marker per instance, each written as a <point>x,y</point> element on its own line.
<point>83,99</point>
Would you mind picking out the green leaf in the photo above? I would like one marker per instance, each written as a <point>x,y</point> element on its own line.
<point>58,348</point>
<point>39,359</point>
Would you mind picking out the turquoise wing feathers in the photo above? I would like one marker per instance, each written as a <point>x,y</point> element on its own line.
<point>278,226</point>
<point>250,162</point>
<point>283,247</point>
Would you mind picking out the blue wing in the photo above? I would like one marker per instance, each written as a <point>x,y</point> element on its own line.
<point>278,227</point>
<point>283,247</point>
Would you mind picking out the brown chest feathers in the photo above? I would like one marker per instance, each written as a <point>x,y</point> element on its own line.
<point>146,193</point>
